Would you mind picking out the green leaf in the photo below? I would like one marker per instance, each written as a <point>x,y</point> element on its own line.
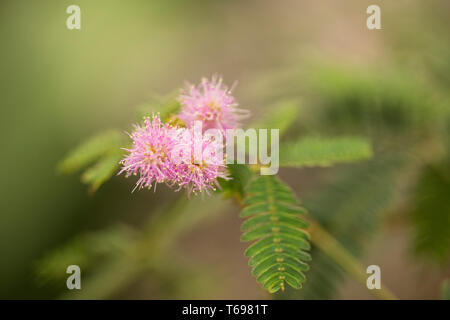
<point>283,115</point>
<point>104,169</point>
<point>86,251</point>
<point>278,255</point>
<point>166,106</point>
<point>431,213</point>
<point>240,175</point>
<point>103,149</point>
<point>445,289</point>
<point>323,152</point>
<point>92,149</point>
<point>374,101</point>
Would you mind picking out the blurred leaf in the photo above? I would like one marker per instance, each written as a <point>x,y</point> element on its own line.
<point>274,220</point>
<point>431,213</point>
<point>106,148</point>
<point>84,251</point>
<point>281,115</point>
<point>240,175</point>
<point>349,208</point>
<point>315,151</point>
<point>375,101</point>
<point>104,169</point>
<point>193,281</point>
<point>166,106</point>
<point>148,249</point>
<point>92,149</point>
<point>445,289</point>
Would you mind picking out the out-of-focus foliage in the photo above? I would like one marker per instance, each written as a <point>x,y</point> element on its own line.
<point>445,290</point>
<point>431,212</point>
<point>103,149</point>
<point>98,174</point>
<point>375,102</point>
<point>85,251</point>
<point>349,208</point>
<point>282,116</point>
<point>323,152</point>
<point>240,176</point>
<point>166,106</point>
<point>91,150</point>
<point>407,118</point>
<point>112,259</point>
<point>106,148</point>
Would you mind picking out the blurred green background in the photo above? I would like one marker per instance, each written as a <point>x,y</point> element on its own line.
<point>60,86</point>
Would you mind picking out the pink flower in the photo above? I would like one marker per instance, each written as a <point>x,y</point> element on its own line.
<point>212,103</point>
<point>201,163</point>
<point>149,155</point>
<point>163,153</point>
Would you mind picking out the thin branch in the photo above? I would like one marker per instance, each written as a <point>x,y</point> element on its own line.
<point>332,248</point>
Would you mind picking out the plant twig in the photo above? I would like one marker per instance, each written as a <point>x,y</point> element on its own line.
<point>331,247</point>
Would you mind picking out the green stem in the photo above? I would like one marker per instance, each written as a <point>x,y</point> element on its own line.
<point>331,247</point>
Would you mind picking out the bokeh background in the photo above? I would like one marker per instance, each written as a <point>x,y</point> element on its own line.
<point>58,87</point>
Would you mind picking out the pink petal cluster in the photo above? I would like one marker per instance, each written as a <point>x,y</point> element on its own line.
<point>201,175</point>
<point>212,103</point>
<point>163,153</point>
<point>149,156</point>
<point>168,153</point>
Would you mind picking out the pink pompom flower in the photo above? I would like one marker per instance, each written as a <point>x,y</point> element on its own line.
<point>149,155</point>
<point>163,153</point>
<point>212,103</point>
<point>200,162</point>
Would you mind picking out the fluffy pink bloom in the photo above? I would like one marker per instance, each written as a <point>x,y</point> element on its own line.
<point>149,156</point>
<point>163,153</point>
<point>212,103</point>
<point>201,163</point>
